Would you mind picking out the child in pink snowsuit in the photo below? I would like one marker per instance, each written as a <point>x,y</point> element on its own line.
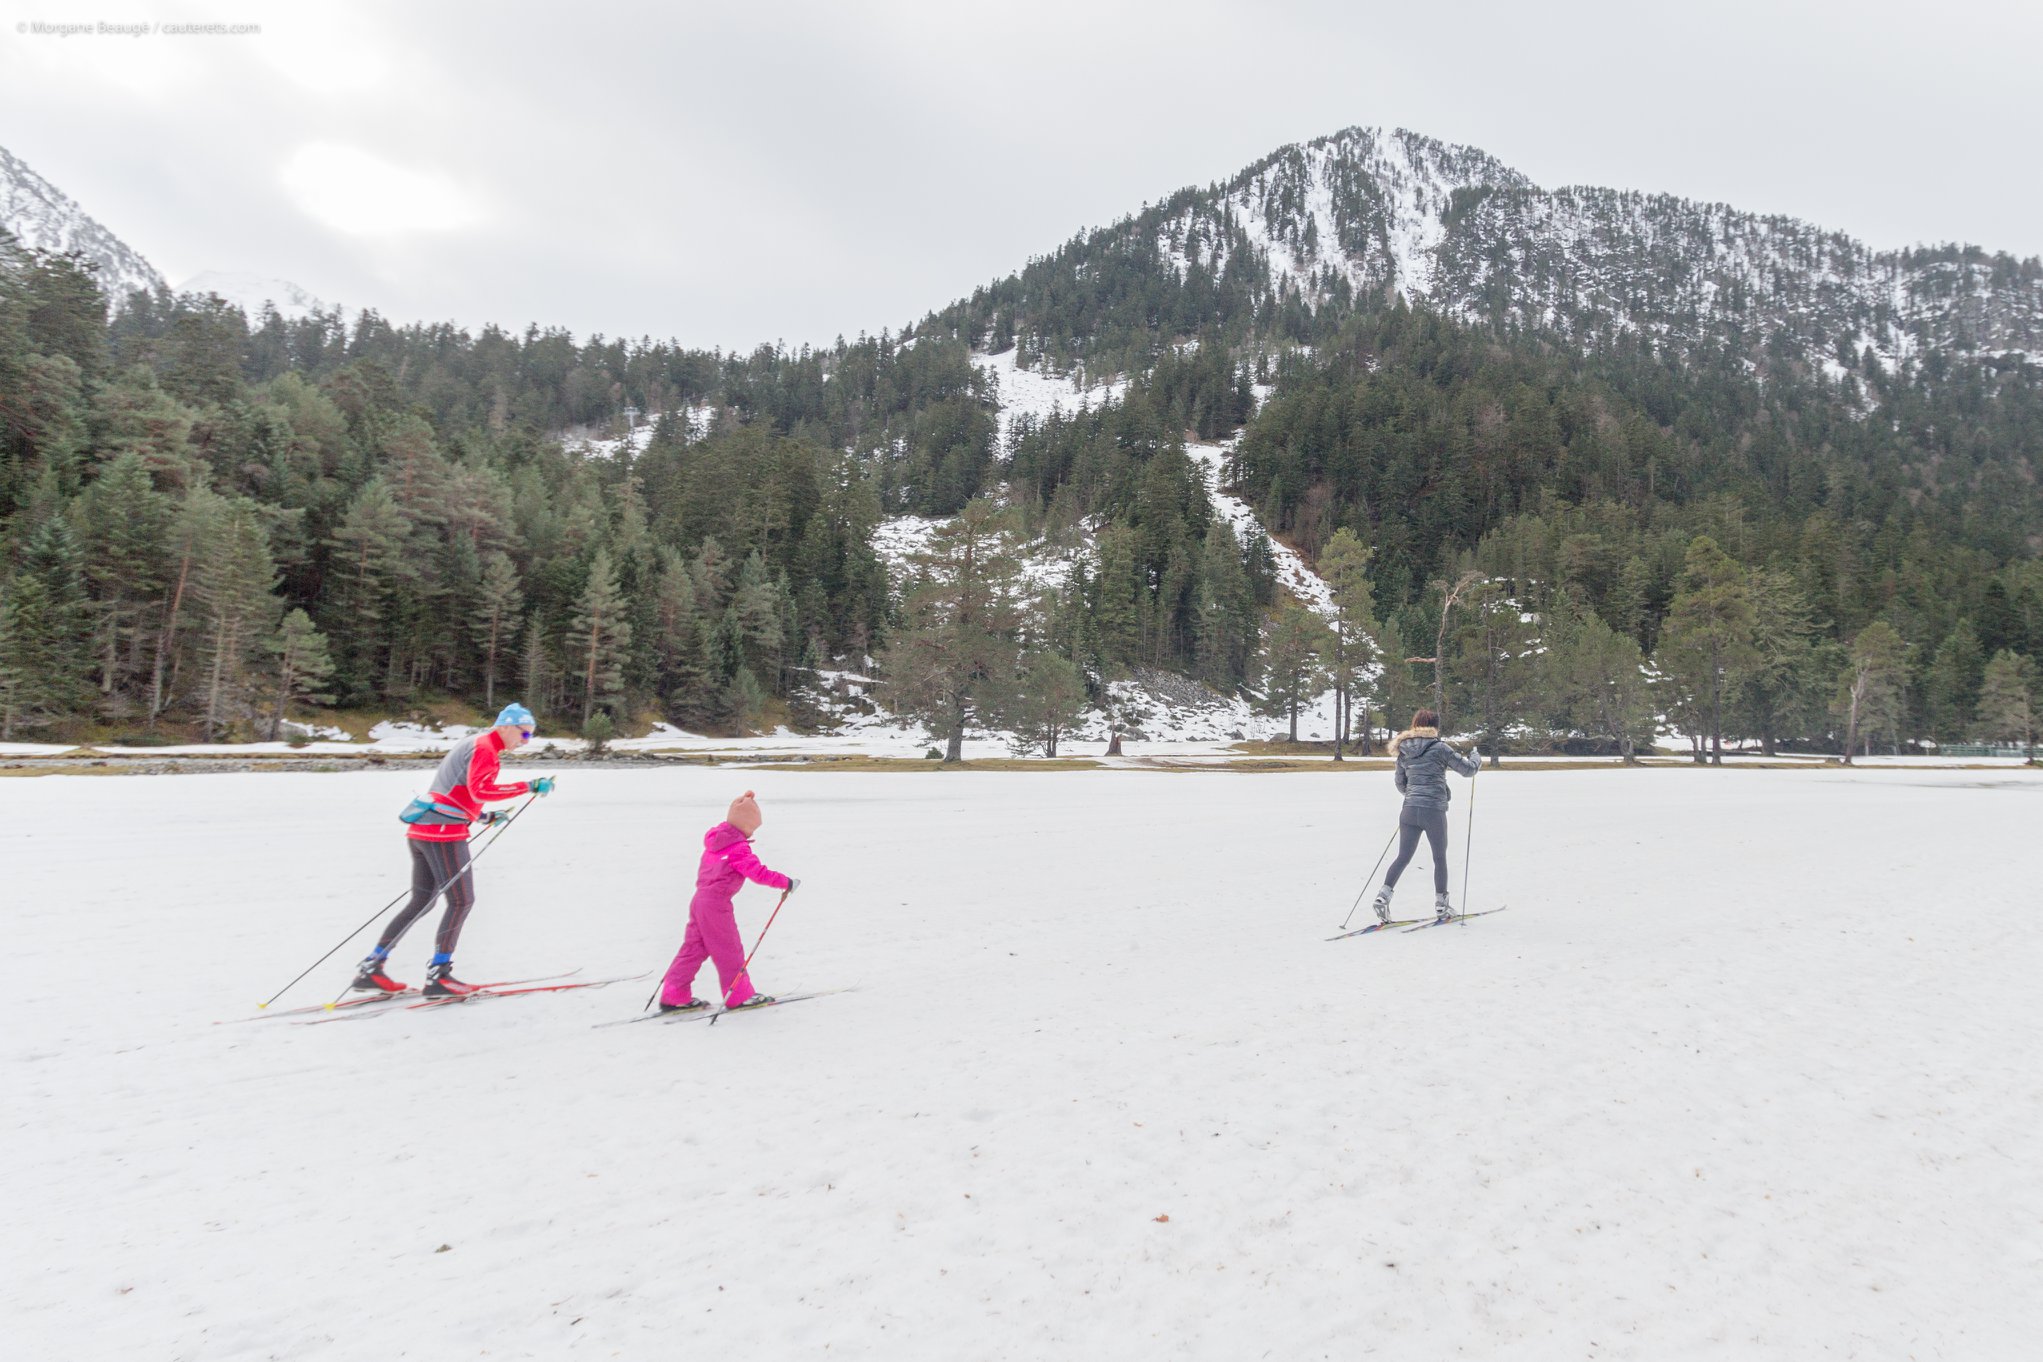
<point>727,862</point>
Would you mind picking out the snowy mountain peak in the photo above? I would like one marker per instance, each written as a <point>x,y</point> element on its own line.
<point>1371,205</point>
<point>251,292</point>
<point>44,218</point>
<point>1367,214</point>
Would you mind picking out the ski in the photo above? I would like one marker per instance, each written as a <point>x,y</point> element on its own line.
<point>490,991</point>
<point>369,999</point>
<point>1378,927</point>
<point>777,1002</point>
<point>1449,921</point>
<point>507,989</point>
<point>700,1013</point>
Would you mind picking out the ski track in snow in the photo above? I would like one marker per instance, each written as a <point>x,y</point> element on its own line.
<point>1119,1100</point>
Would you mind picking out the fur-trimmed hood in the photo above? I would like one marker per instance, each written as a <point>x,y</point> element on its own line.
<point>1411,733</point>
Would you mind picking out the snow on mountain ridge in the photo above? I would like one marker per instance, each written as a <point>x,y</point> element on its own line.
<point>44,218</point>
<point>1373,213</point>
<point>251,292</point>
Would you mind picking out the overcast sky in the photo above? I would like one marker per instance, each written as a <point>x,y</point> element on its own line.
<point>798,171</point>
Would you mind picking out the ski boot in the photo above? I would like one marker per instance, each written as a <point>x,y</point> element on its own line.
<point>756,1000</point>
<point>373,976</point>
<point>693,1005</point>
<point>1443,909</point>
<point>1382,905</point>
<point>441,983</point>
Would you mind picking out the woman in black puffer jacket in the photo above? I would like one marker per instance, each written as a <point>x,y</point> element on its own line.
<point>1423,761</point>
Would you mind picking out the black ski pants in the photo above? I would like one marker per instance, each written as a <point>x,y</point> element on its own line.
<point>1410,823</point>
<point>436,868</point>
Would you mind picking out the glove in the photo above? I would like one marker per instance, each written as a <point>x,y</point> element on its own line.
<point>793,884</point>
<point>490,816</point>
<point>543,785</point>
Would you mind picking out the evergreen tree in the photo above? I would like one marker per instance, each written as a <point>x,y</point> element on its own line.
<point>2007,700</point>
<point>678,643</point>
<point>959,619</point>
<point>1344,563</point>
<point>193,529</point>
<point>1597,677</point>
<point>234,581</point>
<point>122,523</point>
<point>744,700</point>
<point>1873,685</point>
<point>1493,661</point>
<point>1294,668</point>
<point>1779,686</point>
<point>1043,703</point>
<point>303,666</point>
<point>1951,689</point>
<point>1707,641</point>
<point>1117,618</point>
<point>1227,615</point>
<point>1401,689</point>
<point>495,621</point>
<point>373,562</point>
<point>756,607</point>
<point>536,668</point>
<point>44,624</point>
<point>600,638</point>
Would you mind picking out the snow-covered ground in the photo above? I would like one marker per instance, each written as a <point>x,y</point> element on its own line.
<point>1293,573</point>
<point>1103,1090</point>
<point>696,423</point>
<point>1037,394</point>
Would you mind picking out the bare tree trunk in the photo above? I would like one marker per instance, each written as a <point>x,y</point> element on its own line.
<point>213,683</point>
<point>489,674</point>
<point>1851,721</point>
<point>1340,719</point>
<point>1448,596</point>
<point>167,638</point>
<point>113,635</point>
<point>283,694</point>
<point>1716,715</point>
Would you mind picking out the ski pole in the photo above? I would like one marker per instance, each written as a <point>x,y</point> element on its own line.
<point>500,830</point>
<point>1469,839</point>
<point>745,970</point>
<point>1371,880</point>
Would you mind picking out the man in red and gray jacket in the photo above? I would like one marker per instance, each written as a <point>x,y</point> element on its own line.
<point>438,835</point>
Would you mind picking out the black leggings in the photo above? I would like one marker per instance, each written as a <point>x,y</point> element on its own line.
<point>434,865</point>
<point>1410,823</point>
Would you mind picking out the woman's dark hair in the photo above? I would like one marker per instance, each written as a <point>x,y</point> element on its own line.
<point>1425,718</point>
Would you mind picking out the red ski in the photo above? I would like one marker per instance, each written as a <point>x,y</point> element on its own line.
<point>499,991</point>
<point>357,1000</point>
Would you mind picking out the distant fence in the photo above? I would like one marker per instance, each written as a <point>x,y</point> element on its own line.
<point>1960,749</point>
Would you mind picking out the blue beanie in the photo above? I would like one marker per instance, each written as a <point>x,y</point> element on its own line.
<point>516,714</point>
